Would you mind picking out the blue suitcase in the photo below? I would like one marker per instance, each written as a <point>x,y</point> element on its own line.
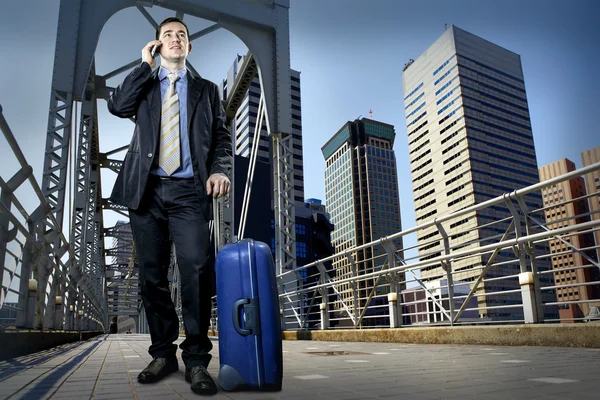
<point>250,348</point>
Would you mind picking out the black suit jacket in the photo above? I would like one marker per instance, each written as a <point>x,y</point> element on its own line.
<point>210,140</point>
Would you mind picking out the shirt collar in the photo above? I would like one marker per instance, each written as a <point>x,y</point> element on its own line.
<point>163,73</point>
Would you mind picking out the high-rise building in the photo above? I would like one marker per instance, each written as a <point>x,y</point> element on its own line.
<point>122,251</point>
<point>361,192</point>
<point>470,139</point>
<point>122,244</point>
<point>316,205</point>
<point>565,205</point>
<point>245,124</point>
<point>592,183</point>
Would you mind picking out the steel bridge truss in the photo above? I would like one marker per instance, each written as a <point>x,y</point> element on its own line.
<point>72,281</point>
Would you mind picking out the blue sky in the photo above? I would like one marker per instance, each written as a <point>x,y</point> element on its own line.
<point>350,55</point>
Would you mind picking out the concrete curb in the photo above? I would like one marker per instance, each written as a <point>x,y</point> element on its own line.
<point>555,335</point>
<point>20,342</point>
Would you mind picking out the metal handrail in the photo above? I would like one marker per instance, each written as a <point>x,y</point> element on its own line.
<point>495,201</point>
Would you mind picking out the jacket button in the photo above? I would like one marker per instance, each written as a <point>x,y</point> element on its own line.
<point>149,155</point>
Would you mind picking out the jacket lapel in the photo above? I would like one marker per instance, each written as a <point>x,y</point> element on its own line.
<point>195,86</point>
<point>155,106</point>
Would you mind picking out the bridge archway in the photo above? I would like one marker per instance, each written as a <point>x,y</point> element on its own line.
<point>262,25</point>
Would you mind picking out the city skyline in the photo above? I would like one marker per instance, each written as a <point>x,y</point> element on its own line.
<point>339,79</point>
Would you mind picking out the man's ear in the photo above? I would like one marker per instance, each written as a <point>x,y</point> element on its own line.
<point>189,47</point>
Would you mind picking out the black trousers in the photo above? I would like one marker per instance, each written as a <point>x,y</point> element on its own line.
<point>171,209</point>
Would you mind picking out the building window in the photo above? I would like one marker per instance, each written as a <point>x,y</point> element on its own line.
<point>442,66</point>
<point>444,76</point>
<point>414,91</point>
<point>300,249</point>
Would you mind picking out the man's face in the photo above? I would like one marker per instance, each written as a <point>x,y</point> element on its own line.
<point>175,43</point>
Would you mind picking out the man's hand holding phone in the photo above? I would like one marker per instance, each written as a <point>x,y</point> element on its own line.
<point>150,51</point>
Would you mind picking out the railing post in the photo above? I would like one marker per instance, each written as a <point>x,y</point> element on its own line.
<point>282,317</point>
<point>526,280</point>
<point>70,318</point>
<point>530,247</point>
<point>395,308</point>
<point>31,303</point>
<point>71,310</point>
<point>324,298</point>
<point>395,315</point>
<point>49,320</point>
<point>58,313</point>
<point>354,286</point>
<point>29,255</point>
<point>79,317</point>
<point>41,276</point>
<point>447,266</point>
<point>324,316</point>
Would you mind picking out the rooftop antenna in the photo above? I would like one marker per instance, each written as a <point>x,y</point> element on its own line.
<point>371,114</point>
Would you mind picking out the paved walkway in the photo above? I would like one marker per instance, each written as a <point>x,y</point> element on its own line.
<point>106,368</point>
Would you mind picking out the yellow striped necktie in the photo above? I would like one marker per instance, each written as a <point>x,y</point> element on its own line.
<point>169,159</point>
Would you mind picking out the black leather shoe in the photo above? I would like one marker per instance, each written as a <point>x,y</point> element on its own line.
<point>201,381</point>
<point>158,369</point>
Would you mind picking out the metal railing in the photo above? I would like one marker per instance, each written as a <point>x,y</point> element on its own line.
<point>527,271</point>
<point>37,273</point>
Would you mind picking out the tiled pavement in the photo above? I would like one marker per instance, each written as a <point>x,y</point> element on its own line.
<point>106,368</point>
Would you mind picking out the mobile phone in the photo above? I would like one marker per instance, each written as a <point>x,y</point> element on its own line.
<point>153,50</point>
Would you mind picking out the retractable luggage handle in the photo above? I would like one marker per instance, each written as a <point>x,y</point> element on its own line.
<point>250,307</point>
<point>216,224</point>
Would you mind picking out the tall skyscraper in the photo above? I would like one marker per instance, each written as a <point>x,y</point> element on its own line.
<point>565,205</point>
<point>245,123</point>
<point>592,182</point>
<point>470,140</point>
<point>361,192</point>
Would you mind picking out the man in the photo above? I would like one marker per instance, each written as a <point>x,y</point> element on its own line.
<point>179,156</point>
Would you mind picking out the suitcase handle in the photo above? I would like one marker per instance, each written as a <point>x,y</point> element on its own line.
<point>236,317</point>
<point>251,315</point>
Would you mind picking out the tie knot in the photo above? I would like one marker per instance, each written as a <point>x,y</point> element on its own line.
<point>173,77</point>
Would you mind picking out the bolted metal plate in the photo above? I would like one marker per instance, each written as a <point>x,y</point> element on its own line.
<point>335,353</point>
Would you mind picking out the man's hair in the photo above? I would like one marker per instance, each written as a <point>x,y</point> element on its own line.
<point>169,20</point>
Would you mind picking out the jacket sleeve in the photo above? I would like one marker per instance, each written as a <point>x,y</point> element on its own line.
<point>124,99</point>
<point>221,137</point>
